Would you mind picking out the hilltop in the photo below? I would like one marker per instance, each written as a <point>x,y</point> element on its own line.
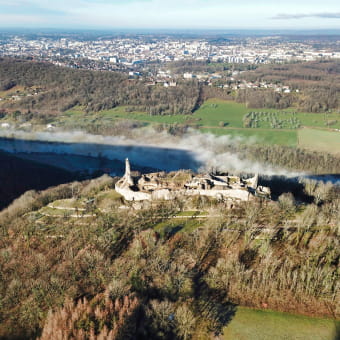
<point>164,270</point>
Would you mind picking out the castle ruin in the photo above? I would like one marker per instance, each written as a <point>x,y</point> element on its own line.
<point>166,186</point>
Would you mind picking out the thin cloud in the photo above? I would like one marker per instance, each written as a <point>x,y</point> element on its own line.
<point>307,15</point>
<point>20,7</point>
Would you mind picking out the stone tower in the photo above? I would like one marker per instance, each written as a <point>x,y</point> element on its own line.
<point>127,176</point>
<point>255,181</point>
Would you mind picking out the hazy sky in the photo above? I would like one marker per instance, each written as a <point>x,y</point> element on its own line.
<point>289,14</point>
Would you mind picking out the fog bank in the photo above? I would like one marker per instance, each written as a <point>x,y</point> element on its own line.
<point>196,151</point>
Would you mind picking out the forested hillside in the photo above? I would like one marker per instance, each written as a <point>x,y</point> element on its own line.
<point>57,89</point>
<point>161,272</point>
<point>318,83</point>
<point>50,89</point>
<point>289,158</point>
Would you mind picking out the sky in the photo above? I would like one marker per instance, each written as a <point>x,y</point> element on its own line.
<point>171,14</point>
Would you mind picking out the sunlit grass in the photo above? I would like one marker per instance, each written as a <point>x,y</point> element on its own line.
<point>251,324</point>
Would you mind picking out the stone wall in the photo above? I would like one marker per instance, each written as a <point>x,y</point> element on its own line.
<point>233,193</point>
<point>131,195</point>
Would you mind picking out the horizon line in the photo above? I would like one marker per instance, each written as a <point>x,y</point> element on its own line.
<point>107,29</point>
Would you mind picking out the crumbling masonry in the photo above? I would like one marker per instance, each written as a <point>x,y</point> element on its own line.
<point>166,186</point>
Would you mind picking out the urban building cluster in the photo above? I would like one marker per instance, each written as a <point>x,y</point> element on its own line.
<point>147,57</point>
<point>133,51</point>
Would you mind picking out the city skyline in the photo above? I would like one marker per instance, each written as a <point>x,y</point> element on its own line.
<point>176,14</point>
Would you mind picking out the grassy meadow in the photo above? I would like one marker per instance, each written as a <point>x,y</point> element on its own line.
<point>214,111</point>
<point>319,140</point>
<point>313,131</point>
<point>251,324</point>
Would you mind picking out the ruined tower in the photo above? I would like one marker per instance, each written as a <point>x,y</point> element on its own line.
<point>127,176</point>
<point>255,181</point>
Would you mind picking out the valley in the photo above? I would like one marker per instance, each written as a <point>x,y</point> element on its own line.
<point>225,225</point>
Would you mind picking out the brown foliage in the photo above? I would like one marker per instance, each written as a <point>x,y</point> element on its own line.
<point>277,254</point>
<point>100,319</point>
<point>63,88</point>
<point>318,81</point>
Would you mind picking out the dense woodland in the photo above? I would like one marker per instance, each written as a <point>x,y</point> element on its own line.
<point>288,157</point>
<point>63,88</point>
<point>317,83</point>
<point>115,276</point>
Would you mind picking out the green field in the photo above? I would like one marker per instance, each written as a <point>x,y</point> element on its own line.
<point>251,324</point>
<point>331,120</point>
<point>319,140</point>
<point>221,117</point>
<point>214,111</point>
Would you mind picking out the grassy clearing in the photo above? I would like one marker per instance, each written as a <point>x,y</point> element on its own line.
<point>250,324</point>
<point>214,111</point>
<point>108,200</point>
<point>193,213</point>
<point>110,194</point>
<point>55,212</point>
<point>222,117</point>
<point>104,200</point>
<point>320,119</point>
<point>291,120</point>
<point>319,140</point>
<point>67,203</point>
